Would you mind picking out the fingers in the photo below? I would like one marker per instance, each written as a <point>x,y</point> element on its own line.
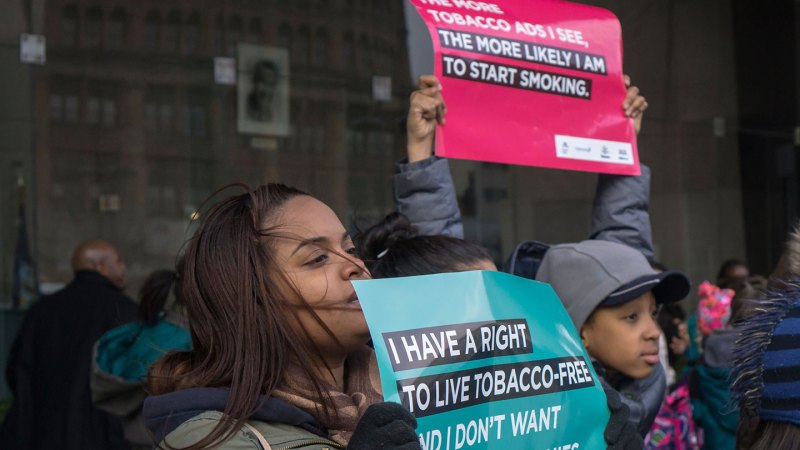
<point>427,107</point>
<point>634,104</point>
<point>426,81</point>
<point>430,86</point>
<point>637,108</point>
<point>630,95</point>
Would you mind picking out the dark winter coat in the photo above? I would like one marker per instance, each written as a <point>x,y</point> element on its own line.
<point>49,365</point>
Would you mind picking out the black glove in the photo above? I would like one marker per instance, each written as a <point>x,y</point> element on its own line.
<point>621,433</point>
<point>387,426</point>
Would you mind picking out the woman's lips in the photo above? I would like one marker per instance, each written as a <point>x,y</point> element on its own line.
<point>650,358</point>
<point>353,299</point>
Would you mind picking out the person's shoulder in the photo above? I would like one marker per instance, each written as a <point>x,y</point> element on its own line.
<point>200,426</point>
<point>278,435</point>
<point>47,304</point>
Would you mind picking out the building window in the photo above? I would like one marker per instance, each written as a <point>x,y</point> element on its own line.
<point>302,46</point>
<point>150,116</point>
<point>364,57</point>
<point>116,30</point>
<point>219,35</point>
<point>109,112</point>
<point>321,48</point>
<point>158,117</point>
<point>195,113</point>
<point>94,27</point>
<point>93,111</point>
<point>195,120</point>
<point>348,52</point>
<point>256,31</point>
<point>318,6</point>
<point>285,36</point>
<point>71,108</point>
<point>69,26</point>
<point>192,32</point>
<point>172,35</point>
<point>383,59</point>
<point>158,109</point>
<point>152,30</point>
<point>235,30</point>
<point>390,68</point>
<point>165,120</point>
<point>56,107</point>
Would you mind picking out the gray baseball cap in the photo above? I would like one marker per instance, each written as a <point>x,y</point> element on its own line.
<point>595,273</point>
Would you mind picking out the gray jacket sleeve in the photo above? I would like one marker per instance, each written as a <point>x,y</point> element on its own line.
<point>424,192</point>
<point>621,211</point>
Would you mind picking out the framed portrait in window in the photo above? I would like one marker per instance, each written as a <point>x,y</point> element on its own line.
<point>262,90</point>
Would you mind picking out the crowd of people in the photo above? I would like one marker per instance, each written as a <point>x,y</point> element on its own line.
<point>256,339</point>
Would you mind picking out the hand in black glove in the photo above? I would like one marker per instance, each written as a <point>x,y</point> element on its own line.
<point>621,433</point>
<point>387,426</point>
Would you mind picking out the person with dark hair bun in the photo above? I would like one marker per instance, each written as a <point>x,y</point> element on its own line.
<point>393,248</point>
<point>123,355</point>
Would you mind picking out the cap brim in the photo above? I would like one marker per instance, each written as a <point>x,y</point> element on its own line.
<point>667,287</point>
<point>674,287</point>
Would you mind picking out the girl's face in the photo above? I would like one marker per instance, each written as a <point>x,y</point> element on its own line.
<point>624,338</point>
<point>319,260</point>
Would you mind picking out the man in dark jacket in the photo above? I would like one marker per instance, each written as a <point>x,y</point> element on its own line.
<point>50,361</point>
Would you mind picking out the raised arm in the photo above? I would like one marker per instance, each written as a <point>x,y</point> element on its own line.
<point>621,205</point>
<point>423,187</point>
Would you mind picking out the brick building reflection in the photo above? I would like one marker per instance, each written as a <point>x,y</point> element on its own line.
<point>132,134</point>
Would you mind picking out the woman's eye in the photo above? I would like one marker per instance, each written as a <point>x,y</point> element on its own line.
<point>631,317</point>
<point>351,251</point>
<point>318,260</point>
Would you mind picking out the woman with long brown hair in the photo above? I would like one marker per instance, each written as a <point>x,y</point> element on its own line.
<point>279,353</point>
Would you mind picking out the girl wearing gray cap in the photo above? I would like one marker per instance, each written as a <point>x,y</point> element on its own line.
<point>606,283</point>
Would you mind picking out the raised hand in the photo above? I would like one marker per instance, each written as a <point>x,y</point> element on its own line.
<point>426,110</point>
<point>634,104</point>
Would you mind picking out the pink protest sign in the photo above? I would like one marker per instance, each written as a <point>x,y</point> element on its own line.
<point>531,82</point>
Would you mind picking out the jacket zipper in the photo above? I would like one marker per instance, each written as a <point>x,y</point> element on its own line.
<point>303,443</point>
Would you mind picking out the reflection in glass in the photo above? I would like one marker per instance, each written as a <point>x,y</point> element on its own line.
<point>116,30</point>
<point>69,26</point>
<point>152,30</point>
<point>94,27</point>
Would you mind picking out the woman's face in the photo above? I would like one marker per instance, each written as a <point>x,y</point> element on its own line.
<point>319,259</point>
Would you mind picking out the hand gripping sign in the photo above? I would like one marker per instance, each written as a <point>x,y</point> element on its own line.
<point>531,82</point>
<point>484,360</point>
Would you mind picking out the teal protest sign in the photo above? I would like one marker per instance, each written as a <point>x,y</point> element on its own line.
<point>484,360</point>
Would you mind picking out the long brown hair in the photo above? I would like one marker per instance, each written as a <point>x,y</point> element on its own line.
<point>768,435</point>
<point>236,313</point>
